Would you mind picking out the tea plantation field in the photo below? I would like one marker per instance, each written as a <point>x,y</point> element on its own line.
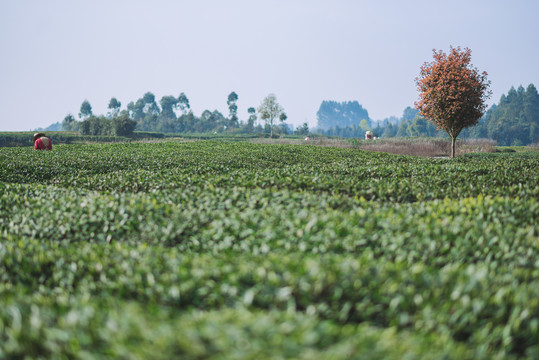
<point>216,250</point>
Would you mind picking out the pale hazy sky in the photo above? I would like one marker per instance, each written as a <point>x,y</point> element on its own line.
<point>56,54</point>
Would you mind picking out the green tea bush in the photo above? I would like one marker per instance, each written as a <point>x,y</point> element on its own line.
<point>238,250</point>
<point>377,176</point>
<point>105,328</point>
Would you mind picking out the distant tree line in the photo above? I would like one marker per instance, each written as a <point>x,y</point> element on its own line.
<point>173,115</point>
<point>116,123</point>
<point>513,121</point>
<point>332,114</point>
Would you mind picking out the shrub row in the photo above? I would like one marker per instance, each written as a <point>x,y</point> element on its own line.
<point>498,230</point>
<point>494,310</point>
<point>188,249</point>
<point>103,329</point>
<point>145,167</point>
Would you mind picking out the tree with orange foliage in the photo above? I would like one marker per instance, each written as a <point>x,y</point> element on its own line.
<point>452,93</point>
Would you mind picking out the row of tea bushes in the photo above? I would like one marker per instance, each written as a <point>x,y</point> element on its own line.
<point>492,309</point>
<point>384,177</point>
<point>499,230</point>
<point>82,327</point>
<point>234,250</point>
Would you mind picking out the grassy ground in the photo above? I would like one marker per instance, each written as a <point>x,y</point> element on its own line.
<point>425,147</point>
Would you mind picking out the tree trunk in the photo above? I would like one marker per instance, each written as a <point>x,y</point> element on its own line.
<point>453,139</point>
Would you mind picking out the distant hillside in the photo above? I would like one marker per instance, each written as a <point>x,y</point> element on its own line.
<point>333,114</point>
<point>53,127</point>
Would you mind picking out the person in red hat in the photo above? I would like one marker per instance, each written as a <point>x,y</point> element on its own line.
<point>41,142</point>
